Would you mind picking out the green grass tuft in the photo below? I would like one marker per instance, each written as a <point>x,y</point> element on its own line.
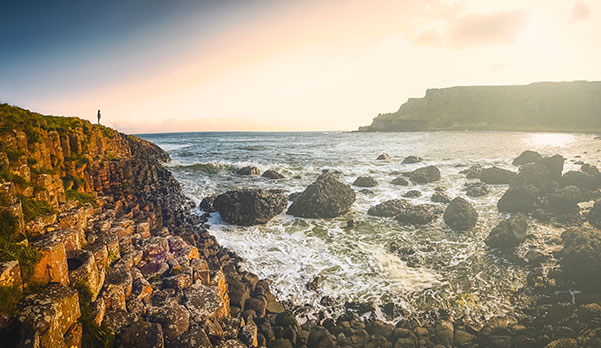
<point>33,208</point>
<point>81,198</point>
<point>9,298</point>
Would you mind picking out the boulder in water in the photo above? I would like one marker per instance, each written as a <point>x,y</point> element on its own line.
<point>412,159</point>
<point>527,157</point>
<point>383,157</point>
<point>580,258</point>
<point>518,199</point>
<point>250,206</point>
<point>420,214</point>
<point>532,174</point>
<point>272,174</point>
<point>390,208</point>
<point>509,233</point>
<point>594,215</point>
<point>325,198</point>
<point>400,181</point>
<point>581,179</point>
<point>440,197</point>
<point>293,196</point>
<point>412,194</point>
<point>555,165</point>
<point>476,189</point>
<point>249,170</point>
<point>207,204</point>
<point>460,215</point>
<point>472,172</point>
<point>365,181</point>
<point>425,175</point>
<point>496,176</point>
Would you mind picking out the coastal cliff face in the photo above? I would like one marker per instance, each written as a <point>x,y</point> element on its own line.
<point>546,106</point>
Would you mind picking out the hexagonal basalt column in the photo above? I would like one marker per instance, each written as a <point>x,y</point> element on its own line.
<point>84,272</point>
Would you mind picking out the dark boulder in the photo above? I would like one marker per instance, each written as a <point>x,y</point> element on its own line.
<point>325,198</point>
<point>400,181</point>
<point>509,233</point>
<point>425,175</point>
<point>383,157</point>
<point>272,174</point>
<point>142,334</point>
<point>249,170</point>
<point>412,194</point>
<point>519,199</point>
<point>250,206</point>
<point>419,214</point>
<point>589,181</point>
<point>390,208</point>
<point>580,258</point>
<point>496,176</point>
<point>412,159</point>
<point>476,189</point>
<point>565,200</point>
<point>555,165</point>
<point>293,196</point>
<point>532,174</point>
<point>365,181</point>
<point>460,215</point>
<point>440,197</point>
<point>527,157</point>
<point>594,215</point>
<point>207,204</point>
<point>472,172</point>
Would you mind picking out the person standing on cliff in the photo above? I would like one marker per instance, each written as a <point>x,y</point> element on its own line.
<point>98,116</point>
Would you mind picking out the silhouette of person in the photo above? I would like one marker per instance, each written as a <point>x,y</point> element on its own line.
<point>98,116</point>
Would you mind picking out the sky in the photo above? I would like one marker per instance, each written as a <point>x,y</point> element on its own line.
<point>279,65</point>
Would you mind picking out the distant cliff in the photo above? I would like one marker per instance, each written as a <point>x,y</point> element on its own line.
<point>544,106</point>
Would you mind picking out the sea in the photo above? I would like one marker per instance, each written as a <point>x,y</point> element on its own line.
<point>413,270</point>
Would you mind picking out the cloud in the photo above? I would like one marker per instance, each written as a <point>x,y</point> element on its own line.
<point>580,12</point>
<point>495,28</point>
<point>497,67</point>
<point>472,30</point>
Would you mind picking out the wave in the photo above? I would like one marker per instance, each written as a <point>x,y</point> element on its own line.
<point>210,167</point>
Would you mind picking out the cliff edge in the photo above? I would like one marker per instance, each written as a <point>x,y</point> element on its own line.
<point>541,106</point>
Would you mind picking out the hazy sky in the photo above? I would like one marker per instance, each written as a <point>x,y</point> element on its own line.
<point>155,66</point>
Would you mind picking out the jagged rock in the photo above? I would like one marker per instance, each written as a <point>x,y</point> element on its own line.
<point>425,175</point>
<point>143,228</point>
<point>555,165</point>
<point>10,274</point>
<point>83,272</point>
<point>535,174</point>
<point>52,267</point>
<point>143,334</point>
<point>594,215</point>
<point>365,181</point>
<point>580,258</point>
<point>565,200</point>
<point>293,196</point>
<point>400,181</point>
<point>440,197</point>
<point>120,277</point>
<point>476,189</point>
<point>140,286</point>
<point>383,157</point>
<point>203,302</point>
<point>518,199</point>
<point>100,253</point>
<point>115,320</point>
<point>460,215</point>
<point>390,208</point>
<point>195,337</point>
<point>526,157</point>
<point>581,179</point>
<point>250,206</point>
<point>49,314</point>
<point>325,198</point>
<point>272,174</point>
<point>412,159</point>
<point>174,319</point>
<point>473,172</point>
<point>419,214</point>
<point>250,170</point>
<point>508,233</point>
<point>496,176</point>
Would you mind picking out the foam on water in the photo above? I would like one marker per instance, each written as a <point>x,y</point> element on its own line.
<point>378,260</point>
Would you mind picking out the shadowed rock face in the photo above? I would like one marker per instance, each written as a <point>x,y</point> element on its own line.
<point>460,215</point>
<point>581,256</point>
<point>250,207</point>
<point>509,233</point>
<point>325,198</point>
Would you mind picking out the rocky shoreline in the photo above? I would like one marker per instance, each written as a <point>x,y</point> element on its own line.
<point>100,249</point>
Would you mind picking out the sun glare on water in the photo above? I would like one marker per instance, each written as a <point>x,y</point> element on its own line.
<point>550,139</point>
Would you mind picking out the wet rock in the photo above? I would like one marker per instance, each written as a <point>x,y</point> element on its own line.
<point>460,215</point>
<point>580,258</point>
<point>535,174</point>
<point>272,174</point>
<point>383,157</point>
<point>509,233</point>
<point>565,200</point>
<point>496,176</point>
<point>443,333</point>
<point>555,165</point>
<point>527,157</point>
<point>325,198</point>
<point>250,206</point>
<point>518,199</point>
<point>204,302</point>
<point>400,181</point>
<point>207,204</point>
<point>365,181</point>
<point>412,194</point>
<point>293,196</point>
<point>83,272</point>
<point>476,190</point>
<point>472,172</point>
<point>412,159</point>
<point>594,215</point>
<point>581,179</point>
<point>419,214</point>
<point>50,314</point>
<point>143,334</point>
<point>425,175</point>
<point>440,197</point>
<point>249,170</point>
<point>390,208</point>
